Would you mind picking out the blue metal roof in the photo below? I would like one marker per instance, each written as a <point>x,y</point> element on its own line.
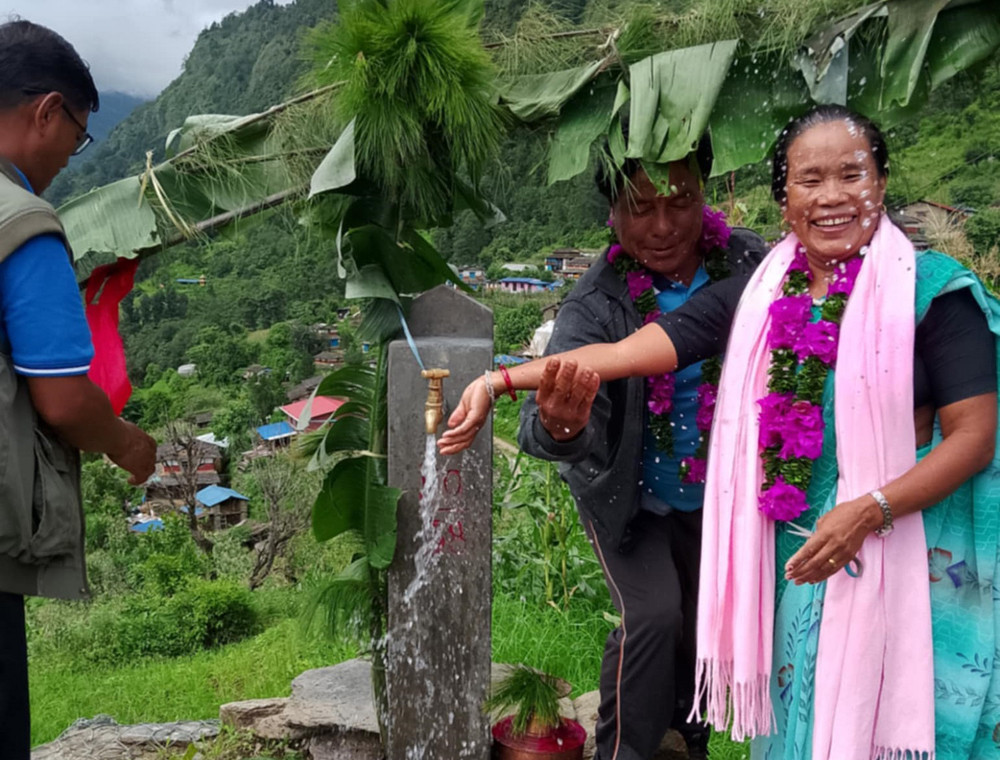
<point>275,430</point>
<point>198,511</point>
<point>212,495</point>
<point>147,526</point>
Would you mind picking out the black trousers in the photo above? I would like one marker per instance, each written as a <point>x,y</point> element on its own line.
<point>647,675</point>
<point>15,724</point>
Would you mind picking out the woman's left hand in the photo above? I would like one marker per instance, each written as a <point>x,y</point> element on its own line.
<point>837,540</point>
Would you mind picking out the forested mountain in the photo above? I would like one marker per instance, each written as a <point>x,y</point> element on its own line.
<point>115,108</point>
<point>242,64</point>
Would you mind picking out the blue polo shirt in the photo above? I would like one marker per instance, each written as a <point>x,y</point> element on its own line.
<point>41,312</point>
<point>660,473</point>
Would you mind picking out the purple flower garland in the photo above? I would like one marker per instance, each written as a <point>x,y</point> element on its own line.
<point>660,388</point>
<point>791,414</point>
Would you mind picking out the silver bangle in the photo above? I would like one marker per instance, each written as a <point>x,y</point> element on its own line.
<point>883,504</point>
<point>490,390</point>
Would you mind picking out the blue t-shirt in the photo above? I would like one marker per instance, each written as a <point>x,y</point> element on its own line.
<point>660,472</point>
<point>41,312</point>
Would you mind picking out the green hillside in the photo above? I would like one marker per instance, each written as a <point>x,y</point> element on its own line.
<point>242,64</point>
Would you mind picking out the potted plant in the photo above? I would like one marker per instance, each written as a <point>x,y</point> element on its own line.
<point>535,730</point>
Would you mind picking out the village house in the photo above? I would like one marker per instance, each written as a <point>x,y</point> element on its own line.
<point>276,433</point>
<point>516,267</point>
<point>328,360</point>
<point>471,276</point>
<point>303,389</point>
<point>922,219</point>
<point>174,475</point>
<point>524,285</point>
<point>224,507</point>
<point>574,268</point>
<point>556,261</point>
<point>321,411</point>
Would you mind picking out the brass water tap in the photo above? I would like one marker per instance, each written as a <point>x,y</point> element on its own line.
<point>433,413</point>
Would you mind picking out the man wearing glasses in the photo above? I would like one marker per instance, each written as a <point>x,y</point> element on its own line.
<point>49,409</point>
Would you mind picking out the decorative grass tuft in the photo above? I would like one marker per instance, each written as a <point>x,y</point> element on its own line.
<point>534,697</point>
<point>420,87</point>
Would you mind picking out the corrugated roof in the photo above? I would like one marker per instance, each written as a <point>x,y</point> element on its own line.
<point>146,526</point>
<point>321,406</point>
<point>170,481</point>
<point>276,431</point>
<point>217,494</point>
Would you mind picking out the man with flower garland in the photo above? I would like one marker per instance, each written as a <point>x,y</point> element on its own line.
<point>632,451</point>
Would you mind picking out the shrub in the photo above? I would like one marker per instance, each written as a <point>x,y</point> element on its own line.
<point>120,629</point>
<point>230,557</point>
<point>217,612</point>
<point>133,626</point>
<point>983,230</point>
<point>977,192</point>
<point>514,327</point>
<point>166,574</point>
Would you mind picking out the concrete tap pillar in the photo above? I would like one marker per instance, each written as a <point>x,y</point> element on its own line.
<point>438,653</point>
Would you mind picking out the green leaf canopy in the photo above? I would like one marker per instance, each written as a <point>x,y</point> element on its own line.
<point>350,502</point>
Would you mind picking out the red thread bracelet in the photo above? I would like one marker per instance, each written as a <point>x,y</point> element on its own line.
<point>508,383</point>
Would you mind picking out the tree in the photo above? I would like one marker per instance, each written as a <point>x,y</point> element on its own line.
<point>350,343</point>
<point>235,421</point>
<point>514,327</point>
<point>286,490</point>
<point>983,230</point>
<point>289,350</point>
<point>496,271</point>
<point>265,393</point>
<point>188,452</point>
<point>978,192</point>
<point>219,354</point>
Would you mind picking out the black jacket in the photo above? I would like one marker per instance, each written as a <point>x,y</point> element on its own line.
<point>601,465</point>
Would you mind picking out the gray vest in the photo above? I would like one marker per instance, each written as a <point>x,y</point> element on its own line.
<point>41,511</point>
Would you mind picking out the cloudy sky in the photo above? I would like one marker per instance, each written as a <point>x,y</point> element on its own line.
<point>134,46</point>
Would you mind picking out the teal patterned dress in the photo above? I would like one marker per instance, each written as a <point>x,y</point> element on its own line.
<point>962,539</point>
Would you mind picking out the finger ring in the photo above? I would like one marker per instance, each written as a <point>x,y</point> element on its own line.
<point>832,561</point>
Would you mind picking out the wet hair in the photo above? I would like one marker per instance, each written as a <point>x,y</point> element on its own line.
<point>35,60</point>
<point>611,180</point>
<point>824,115</point>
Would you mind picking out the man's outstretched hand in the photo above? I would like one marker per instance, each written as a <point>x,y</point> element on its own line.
<point>565,395</point>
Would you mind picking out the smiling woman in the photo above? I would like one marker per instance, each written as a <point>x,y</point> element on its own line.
<point>832,195</point>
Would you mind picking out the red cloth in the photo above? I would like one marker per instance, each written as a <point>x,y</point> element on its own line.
<point>106,288</point>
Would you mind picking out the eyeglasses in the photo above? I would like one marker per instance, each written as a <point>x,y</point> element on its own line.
<point>84,141</point>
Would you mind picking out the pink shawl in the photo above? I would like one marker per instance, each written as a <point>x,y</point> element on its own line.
<point>874,675</point>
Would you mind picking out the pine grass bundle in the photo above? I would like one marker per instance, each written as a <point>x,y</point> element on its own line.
<point>421,88</point>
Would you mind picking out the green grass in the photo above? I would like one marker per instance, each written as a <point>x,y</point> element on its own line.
<point>182,688</point>
<point>565,644</point>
